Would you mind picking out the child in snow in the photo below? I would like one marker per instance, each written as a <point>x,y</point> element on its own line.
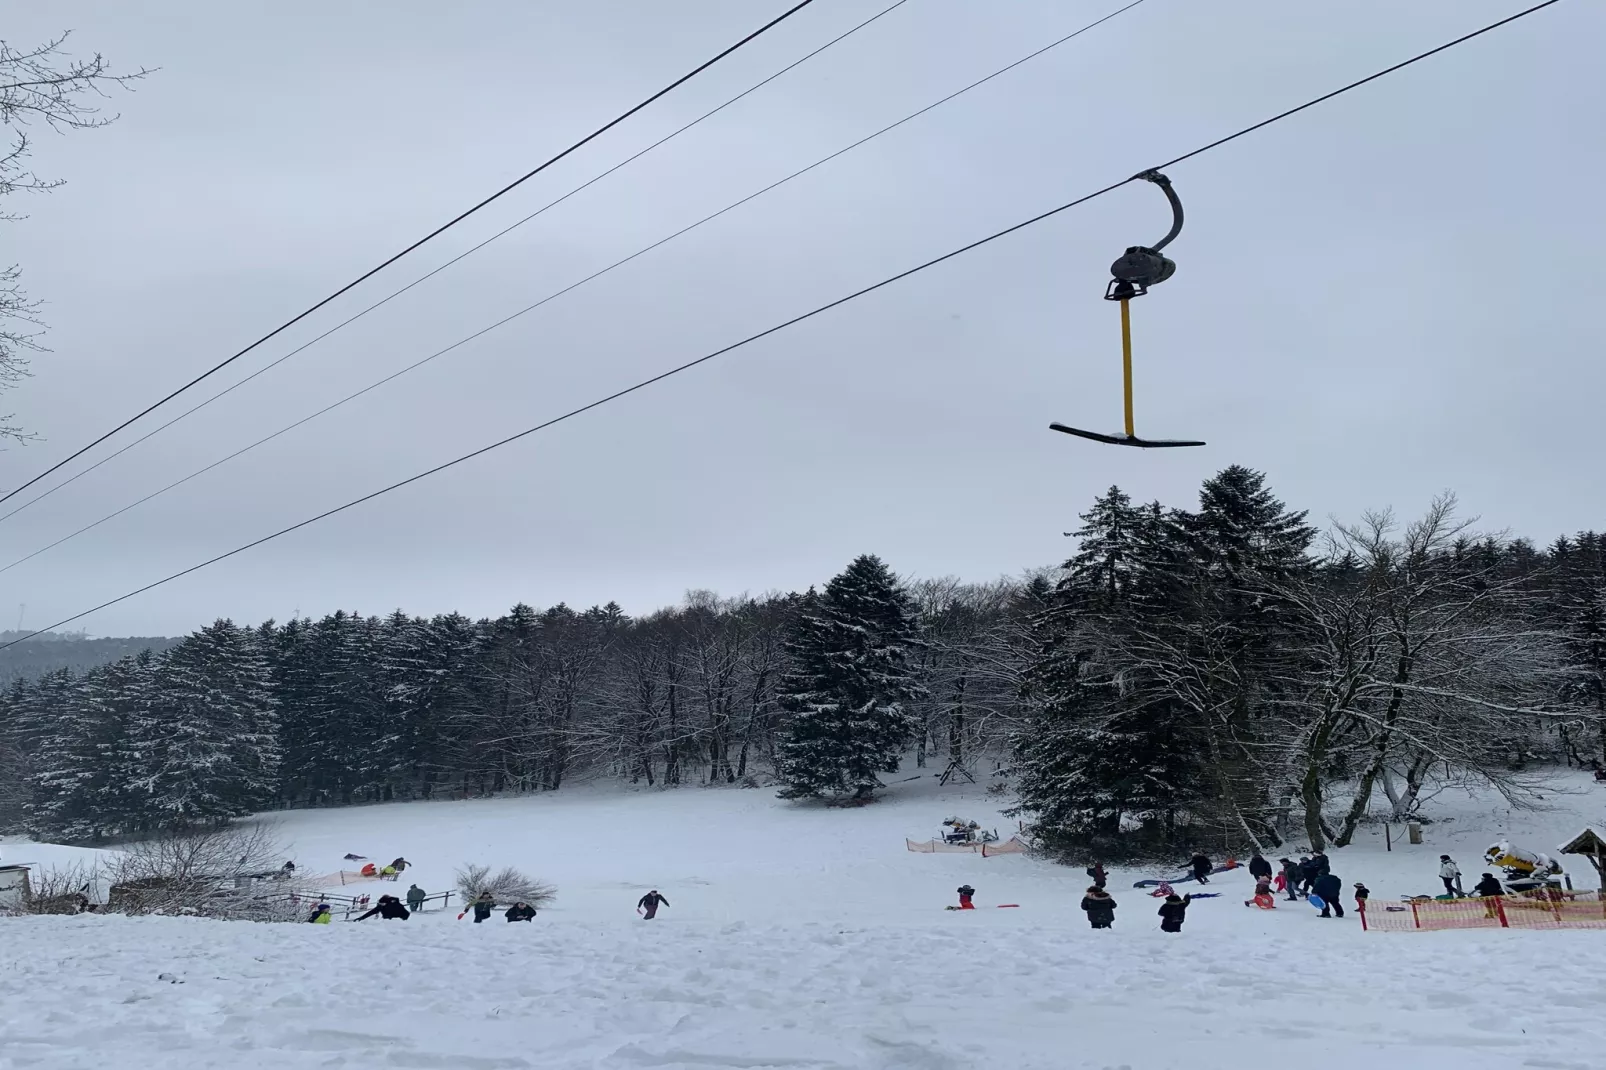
<point>1163,891</point>
<point>965,893</point>
<point>1262,897</point>
<point>1173,911</point>
<point>650,903</point>
<point>1100,907</point>
<point>520,912</point>
<point>1201,867</point>
<point>1362,894</point>
<point>1449,873</point>
<point>320,915</point>
<point>415,899</point>
<point>483,906</point>
<point>1096,871</point>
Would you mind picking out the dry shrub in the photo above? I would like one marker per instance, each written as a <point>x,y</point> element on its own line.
<point>507,885</point>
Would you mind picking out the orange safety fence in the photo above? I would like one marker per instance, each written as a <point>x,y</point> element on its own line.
<point>1012,846</point>
<point>1544,910</point>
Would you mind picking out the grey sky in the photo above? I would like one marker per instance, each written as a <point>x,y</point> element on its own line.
<point>1387,296</point>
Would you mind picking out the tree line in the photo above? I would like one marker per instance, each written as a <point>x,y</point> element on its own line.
<point>1224,671</point>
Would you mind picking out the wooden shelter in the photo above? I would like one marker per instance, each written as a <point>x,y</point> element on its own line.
<point>1589,844</point>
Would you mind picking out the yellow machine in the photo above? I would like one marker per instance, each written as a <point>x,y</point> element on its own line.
<point>1525,870</point>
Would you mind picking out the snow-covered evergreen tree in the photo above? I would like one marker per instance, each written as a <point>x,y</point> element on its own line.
<point>1101,746</point>
<point>209,737</point>
<point>849,686</point>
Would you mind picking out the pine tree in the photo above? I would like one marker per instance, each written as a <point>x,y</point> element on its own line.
<point>67,768</point>
<point>1100,747</point>
<point>848,690</point>
<point>209,737</point>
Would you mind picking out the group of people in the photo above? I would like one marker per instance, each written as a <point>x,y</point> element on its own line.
<point>1100,908</point>
<point>484,905</point>
<point>388,907</point>
<point>1450,875</point>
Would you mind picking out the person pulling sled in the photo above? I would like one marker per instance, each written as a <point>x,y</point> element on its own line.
<point>649,904</point>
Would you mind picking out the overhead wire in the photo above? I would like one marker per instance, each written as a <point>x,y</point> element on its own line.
<point>548,298</point>
<point>705,358</point>
<point>371,272</point>
<point>454,260</point>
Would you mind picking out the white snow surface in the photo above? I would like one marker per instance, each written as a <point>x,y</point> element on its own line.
<point>805,938</point>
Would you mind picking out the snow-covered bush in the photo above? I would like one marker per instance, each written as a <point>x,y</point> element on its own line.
<point>506,885</point>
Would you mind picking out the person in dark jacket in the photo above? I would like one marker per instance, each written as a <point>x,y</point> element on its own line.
<point>1100,907</point>
<point>1489,885</point>
<point>1328,888</point>
<point>1259,867</point>
<point>1362,894</point>
<point>415,899</point>
<point>520,912</point>
<point>1096,871</point>
<point>1201,867</point>
<point>1320,864</point>
<point>1173,912</point>
<point>389,907</point>
<point>1307,874</point>
<point>483,905</point>
<point>1291,878</point>
<point>650,903</point>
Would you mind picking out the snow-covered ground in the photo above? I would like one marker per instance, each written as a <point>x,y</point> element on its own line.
<point>802,937</point>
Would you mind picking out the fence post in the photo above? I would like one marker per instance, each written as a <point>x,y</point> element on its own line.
<point>1500,909</point>
<point>1416,919</point>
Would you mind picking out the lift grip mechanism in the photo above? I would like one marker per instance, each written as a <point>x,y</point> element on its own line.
<point>1142,266</point>
<point>1133,273</point>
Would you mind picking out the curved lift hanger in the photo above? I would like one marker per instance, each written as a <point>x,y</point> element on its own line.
<point>1133,273</point>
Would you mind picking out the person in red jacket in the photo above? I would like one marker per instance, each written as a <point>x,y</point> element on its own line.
<point>965,894</point>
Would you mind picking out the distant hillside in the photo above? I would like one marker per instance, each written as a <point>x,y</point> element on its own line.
<point>67,650</point>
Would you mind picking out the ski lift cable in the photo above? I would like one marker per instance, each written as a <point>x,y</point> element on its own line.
<point>513,316</point>
<point>426,277</point>
<point>371,272</point>
<point>705,358</point>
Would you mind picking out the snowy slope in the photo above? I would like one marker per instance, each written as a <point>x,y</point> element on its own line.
<point>806,938</point>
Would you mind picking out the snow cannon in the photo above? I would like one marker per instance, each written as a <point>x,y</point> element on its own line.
<point>1525,870</point>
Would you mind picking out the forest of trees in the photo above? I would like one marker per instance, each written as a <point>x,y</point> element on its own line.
<point>1224,671</point>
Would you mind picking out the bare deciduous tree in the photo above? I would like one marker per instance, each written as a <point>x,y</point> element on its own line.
<point>1419,658</point>
<point>42,85</point>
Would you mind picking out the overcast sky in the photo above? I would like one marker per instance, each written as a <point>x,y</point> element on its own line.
<point>1393,294</point>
